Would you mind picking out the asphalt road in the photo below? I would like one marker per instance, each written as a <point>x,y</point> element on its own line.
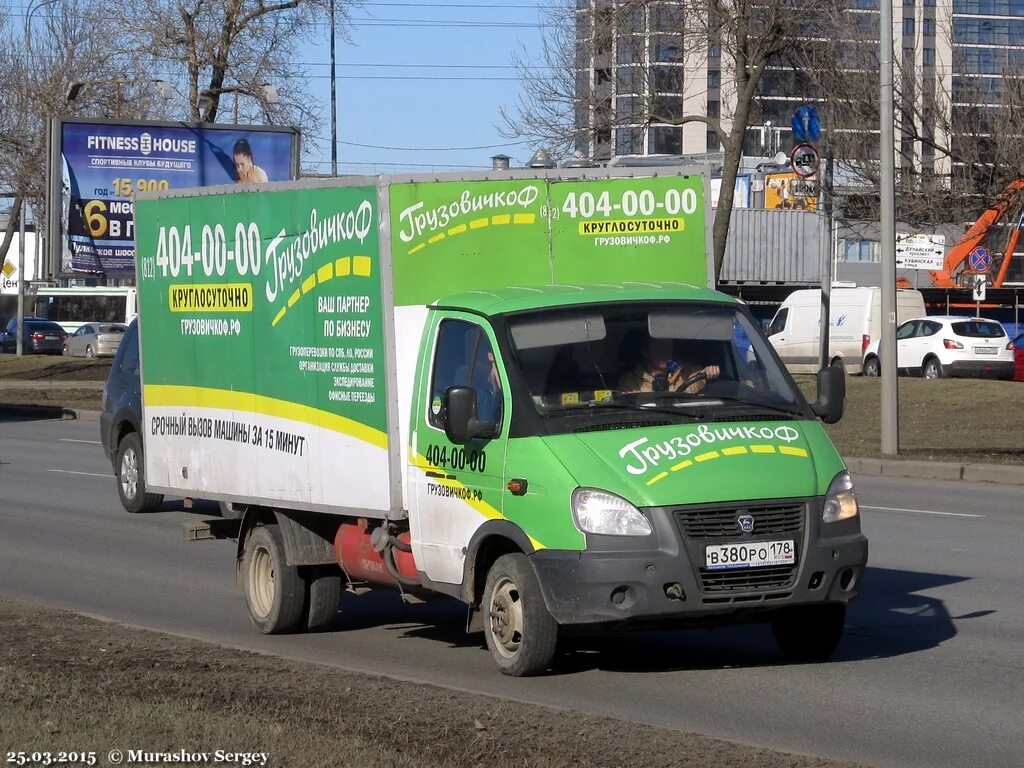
<point>930,673</point>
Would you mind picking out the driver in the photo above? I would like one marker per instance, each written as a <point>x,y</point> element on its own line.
<point>657,372</point>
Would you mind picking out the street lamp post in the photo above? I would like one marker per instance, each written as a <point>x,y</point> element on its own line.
<point>334,103</point>
<point>887,344</point>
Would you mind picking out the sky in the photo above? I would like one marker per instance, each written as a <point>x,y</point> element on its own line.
<point>417,79</point>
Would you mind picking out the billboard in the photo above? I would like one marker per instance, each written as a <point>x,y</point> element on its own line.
<point>789,192</point>
<point>97,166</point>
<point>741,191</point>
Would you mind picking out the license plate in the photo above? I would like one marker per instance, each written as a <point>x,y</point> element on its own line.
<point>986,350</point>
<point>754,554</point>
<point>50,338</point>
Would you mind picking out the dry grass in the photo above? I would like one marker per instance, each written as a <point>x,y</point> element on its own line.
<point>53,367</point>
<point>967,420</point>
<point>69,682</point>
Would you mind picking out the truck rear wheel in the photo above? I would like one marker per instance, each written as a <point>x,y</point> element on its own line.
<point>131,477</point>
<point>324,595</point>
<point>809,632</point>
<point>521,634</point>
<point>274,592</point>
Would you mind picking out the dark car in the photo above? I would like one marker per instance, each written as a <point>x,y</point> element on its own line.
<point>121,429</point>
<point>121,425</point>
<point>1018,358</point>
<point>39,337</point>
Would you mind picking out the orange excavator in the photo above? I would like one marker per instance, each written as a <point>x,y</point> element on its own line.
<point>1008,205</point>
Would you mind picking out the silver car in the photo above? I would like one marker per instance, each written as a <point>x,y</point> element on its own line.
<point>95,340</point>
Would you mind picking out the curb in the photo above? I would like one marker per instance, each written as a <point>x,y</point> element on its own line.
<point>1002,474</point>
<point>41,412</point>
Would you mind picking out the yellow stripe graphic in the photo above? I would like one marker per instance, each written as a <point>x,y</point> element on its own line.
<point>361,265</point>
<point>790,451</point>
<point>682,465</point>
<point>657,477</point>
<point>707,456</point>
<point>417,248</point>
<point>502,218</point>
<point>524,218</point>
<point>736,450</point>
<point>763,448</point>
<point>436,238</point>
<point>346,265</point>
<point>457,230</point>
<point>169,396</point>
<point>480,505</point>
<point>478,223</point>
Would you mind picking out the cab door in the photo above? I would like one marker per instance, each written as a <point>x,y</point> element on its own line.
<point>455,488</point>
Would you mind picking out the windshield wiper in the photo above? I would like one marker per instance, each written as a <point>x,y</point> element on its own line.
<point>708,401</point>
<point>589,408</point>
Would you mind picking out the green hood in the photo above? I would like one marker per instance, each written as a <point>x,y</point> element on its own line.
<point>702,463</point>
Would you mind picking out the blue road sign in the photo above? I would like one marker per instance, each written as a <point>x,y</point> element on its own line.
<point>979,259</point>
<point>806,124</point>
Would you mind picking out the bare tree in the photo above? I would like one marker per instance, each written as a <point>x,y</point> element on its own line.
<point>58,44</point>
<point>958,136</point>
<point>565,106</point>
<point>232,49</point>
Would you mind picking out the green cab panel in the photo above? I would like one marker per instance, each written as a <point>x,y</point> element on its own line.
<point>705,463</point>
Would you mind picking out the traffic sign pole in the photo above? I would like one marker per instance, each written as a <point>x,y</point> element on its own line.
<point>887,190</point>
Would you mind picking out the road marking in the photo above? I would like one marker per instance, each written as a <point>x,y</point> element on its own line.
<point>923,511</point>
<point>69,440</point>
<point>72,472</point>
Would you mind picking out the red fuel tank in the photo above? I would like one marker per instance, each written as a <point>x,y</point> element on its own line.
<point>355,553</point>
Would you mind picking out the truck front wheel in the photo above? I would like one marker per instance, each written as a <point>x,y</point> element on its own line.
<point>131,477</point>
<point>521,634</point>
<point>809,632</point>
<point>274,592</point>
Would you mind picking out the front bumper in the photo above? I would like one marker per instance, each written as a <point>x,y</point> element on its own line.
<point>981,369</point>
<point>660,578</point>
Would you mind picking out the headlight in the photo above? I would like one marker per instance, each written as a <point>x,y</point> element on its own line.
<point>605,513</point>
<point>840,501</point>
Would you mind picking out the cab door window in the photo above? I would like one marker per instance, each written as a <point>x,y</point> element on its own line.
<point>779,323</point>
<point>465,358</point>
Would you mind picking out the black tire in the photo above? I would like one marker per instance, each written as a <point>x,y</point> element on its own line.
<point>274,592</point>
<point>932,369</point>
<point>521,634</point>
<point>324,595</point>
<point>64,351</point>
<point>809,632</point>
<point>872,367</point>
<point>130,470</point>
<point>231,511</point>
<point>89,353</point>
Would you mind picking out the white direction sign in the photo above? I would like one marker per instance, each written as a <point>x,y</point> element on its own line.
<point>920,251</point>
<point>978,283</point>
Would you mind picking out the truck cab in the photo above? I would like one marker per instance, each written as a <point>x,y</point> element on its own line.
<point>605,487</point>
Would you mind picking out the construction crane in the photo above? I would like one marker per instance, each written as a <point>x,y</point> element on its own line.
<point>1008,205</point>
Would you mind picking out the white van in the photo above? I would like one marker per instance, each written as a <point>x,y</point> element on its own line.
<point>855,320</point>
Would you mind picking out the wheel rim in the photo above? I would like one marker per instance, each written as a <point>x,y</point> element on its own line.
<point>130,474</point>
<point>930,371</point>
<point>506,618</point>
<point>261,582</point>
<point>88,352</point>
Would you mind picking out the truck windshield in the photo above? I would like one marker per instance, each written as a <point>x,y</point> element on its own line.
<point>686,358</point>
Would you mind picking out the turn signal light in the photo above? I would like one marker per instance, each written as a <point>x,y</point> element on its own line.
<point>950,344</point>
<point>865,342</point>
<point>517,486</point>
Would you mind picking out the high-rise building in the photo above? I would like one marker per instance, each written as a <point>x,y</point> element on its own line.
<point>636,75</point>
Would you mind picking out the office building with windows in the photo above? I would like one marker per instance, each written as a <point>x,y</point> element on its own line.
<point>636,74</point>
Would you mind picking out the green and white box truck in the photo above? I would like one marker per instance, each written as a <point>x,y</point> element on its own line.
<point>513,389</point>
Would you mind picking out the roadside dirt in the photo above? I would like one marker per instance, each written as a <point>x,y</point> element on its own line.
<point>53,368</point>
<point>72,682</point>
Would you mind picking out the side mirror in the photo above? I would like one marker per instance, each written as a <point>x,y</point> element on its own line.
<point>831,395</point>
<point>460,422</point>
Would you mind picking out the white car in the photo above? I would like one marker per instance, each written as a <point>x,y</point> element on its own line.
<point>947,345</point>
